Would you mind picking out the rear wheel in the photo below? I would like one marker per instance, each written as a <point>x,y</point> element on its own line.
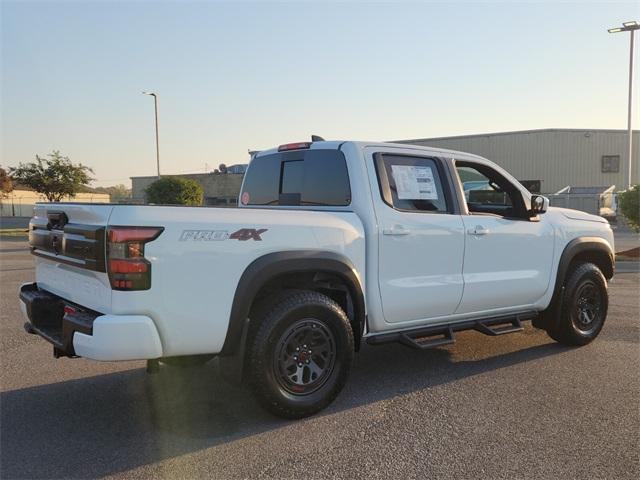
<point>584,306</point>
<point>300,355</point>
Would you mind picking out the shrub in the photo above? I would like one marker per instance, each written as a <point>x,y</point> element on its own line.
<point>630,206</point>
<point>55,177</point>
<point>6,184</point>
<point>175,191</point>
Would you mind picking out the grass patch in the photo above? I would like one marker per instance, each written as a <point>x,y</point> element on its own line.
<point>14,232</point>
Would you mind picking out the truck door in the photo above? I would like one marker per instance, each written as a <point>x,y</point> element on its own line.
<point>420,237</point>
<point>508,256</point>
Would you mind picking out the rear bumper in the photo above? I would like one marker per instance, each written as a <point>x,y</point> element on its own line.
<point>75,331</point>
<point>119,337</point>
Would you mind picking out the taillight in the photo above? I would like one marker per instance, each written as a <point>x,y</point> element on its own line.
<point>294,146</point>
<point>127,267</point>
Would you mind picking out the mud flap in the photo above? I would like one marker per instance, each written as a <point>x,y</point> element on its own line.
<point>232,366</point>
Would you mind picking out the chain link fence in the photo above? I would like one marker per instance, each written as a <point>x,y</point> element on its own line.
<point>22,205</point>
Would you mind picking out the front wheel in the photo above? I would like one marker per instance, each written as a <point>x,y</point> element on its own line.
<point>584,306</point>
<point>300,355</point>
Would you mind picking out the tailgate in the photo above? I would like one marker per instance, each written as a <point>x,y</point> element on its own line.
<point>68,241</point>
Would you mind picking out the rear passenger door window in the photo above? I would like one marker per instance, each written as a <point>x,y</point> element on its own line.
<point>412,184</point>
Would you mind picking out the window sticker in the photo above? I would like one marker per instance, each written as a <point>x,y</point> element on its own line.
<point>414,182</point>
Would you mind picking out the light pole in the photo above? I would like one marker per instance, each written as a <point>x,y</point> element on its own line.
<point>155,104</point>
<point>629,27</point>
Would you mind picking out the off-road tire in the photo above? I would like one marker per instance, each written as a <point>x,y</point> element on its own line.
<point>568,328</point>
<point>300,314</point>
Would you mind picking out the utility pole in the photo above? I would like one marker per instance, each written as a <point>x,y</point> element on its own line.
<point>629,27</point>
<point>155,104</point>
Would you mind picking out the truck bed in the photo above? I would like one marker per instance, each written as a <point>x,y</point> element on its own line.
<point>196,261</point>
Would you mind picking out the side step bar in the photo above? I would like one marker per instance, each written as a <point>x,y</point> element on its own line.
<point>428,340</point>
<point>439,335</point>
<point>508,326</point>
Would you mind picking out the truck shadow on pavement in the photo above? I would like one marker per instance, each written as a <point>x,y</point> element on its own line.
<point>105,424</point>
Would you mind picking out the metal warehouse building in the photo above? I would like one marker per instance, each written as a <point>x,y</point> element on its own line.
<point>555,157</point>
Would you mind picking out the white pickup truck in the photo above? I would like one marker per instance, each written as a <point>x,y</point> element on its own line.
<point>332,243</point>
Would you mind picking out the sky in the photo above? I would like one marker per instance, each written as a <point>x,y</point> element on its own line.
<point>236,76</point>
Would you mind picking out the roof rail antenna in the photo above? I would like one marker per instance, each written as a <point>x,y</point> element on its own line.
<point>317,138</point>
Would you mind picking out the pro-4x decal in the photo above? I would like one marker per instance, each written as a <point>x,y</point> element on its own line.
<point>247,234</point>
<point>243,235</point>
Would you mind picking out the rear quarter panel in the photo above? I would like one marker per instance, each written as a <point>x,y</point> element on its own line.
<point>194,276</point>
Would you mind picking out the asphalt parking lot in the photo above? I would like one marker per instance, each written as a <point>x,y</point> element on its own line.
<point>518,406</point>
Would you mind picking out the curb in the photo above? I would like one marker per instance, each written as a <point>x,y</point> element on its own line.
<point>627,266</point>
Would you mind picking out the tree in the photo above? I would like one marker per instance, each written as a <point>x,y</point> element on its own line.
<point>175,191</point>
<point>54,177</point>
<point>630,206</point>
<point>118,193</point>
<point>6,185</point>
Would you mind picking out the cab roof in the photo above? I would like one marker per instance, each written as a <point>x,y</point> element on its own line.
<point>335,145</point>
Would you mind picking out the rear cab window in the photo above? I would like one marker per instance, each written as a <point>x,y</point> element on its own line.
<point>298,178</point>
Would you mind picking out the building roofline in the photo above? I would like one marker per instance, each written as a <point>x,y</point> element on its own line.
<point>516,132</point>
<point>185,174</point>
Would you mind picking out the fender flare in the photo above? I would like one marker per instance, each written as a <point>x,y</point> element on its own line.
<point>575,247</point>
<point>271,265</point>
<point>581,245</point>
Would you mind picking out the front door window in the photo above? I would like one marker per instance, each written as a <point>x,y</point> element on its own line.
<point>487,192</point>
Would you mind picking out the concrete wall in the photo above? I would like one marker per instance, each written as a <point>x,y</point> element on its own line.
<point>557,157</point>
<point>221,186</point>
<point>20,203</point>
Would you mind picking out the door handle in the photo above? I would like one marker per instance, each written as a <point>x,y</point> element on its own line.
<point>478,230</point>
<point>395,230</point>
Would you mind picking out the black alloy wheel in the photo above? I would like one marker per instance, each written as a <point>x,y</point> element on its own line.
<point>588,307</point>
<point>583,308</point>
<point>299,353</point>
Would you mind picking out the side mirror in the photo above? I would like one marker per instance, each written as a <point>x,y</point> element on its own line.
<point>539,205</point>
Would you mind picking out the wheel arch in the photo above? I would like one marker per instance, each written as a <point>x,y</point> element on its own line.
<point>589,249</point>
<point>595,250</point>
<point>267,269</point>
